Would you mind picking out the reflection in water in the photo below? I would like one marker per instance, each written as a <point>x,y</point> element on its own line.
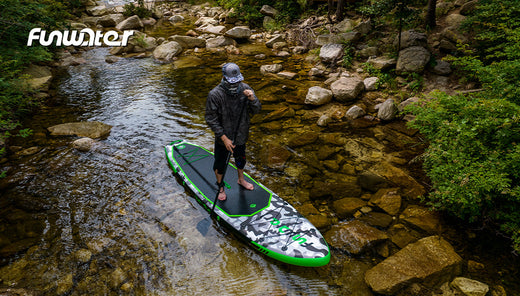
<point>116,219</point>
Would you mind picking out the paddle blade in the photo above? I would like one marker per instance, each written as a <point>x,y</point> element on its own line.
<point>203,226</point>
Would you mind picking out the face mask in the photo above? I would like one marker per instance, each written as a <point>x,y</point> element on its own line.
<point>231,87</point>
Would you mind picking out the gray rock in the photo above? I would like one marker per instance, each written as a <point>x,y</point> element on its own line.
<point>219,41</point>
<point>240,32</point>
<point>90,129</point>
<point>188,42</point>
<point>469,287</point>
<point>355,112</point>
<point>382,63</point>
<point>274,68</point>
<point>407,102</point>
<point>347,88</point>
<point>344,26</point>
<point>430,260</point>
<point>323,121</point>
<point>442,68</point>
<point>97,10</point>
<point>204,21</point>
<point>176,19</point>
<point>331,52</point>
<point>412,38</point>
<point>370,83</point>
<point>133,22</point>
<point>369,52</point>
<point>167,51</point>
<point>364,27</point>
<point>468,7</point>
<point>110,20</point>
<point>83,255</point>
<point>455,20</point>
<point>354,236</point>
<point>274,39</point>
<point>269,11</point>
<point>387,110</point>
<point>83,144</point>
<point>318,96</point>
<point>211,29</point>
<point>413,59</point>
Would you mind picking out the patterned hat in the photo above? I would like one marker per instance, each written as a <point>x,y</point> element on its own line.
<point>231,73</point>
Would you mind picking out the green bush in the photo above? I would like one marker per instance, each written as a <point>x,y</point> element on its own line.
<point>140,10</point>
<point>249,10</point>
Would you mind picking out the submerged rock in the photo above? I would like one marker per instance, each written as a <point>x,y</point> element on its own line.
<point>90,129</point>
<point>469,287</point>
<point>167,51</point>
<point>431,261</point>
<point>354,236</point>
<point>83,144</point>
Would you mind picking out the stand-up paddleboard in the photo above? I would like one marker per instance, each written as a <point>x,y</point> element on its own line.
<point>260,217</point>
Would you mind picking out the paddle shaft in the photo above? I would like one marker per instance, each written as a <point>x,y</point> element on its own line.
<point>221,184</point>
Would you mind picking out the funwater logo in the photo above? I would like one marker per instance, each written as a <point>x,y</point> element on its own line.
<point>85,37</point>
<point>284,229</point>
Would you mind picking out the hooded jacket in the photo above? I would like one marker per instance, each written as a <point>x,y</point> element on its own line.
<point>222,113</point>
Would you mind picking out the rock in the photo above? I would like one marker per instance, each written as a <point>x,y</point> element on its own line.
<point>39,77</point>
<point>468,7</point>
<point>274,68</point>
<point>323,121</point>
<point>454,35</point>
<point>283,54</point>
<point>64,284</point>
<point>377,219</point>
<point>133,22</point>
<point>90,129</point>
<point>204,21</point>
<point>345,186</point>
<point>348,206</point>
<point>367,52</point>
<point>442,68</point>
<point>269,11</point>
<point>219,41</point>
<point>268,23</point>
<point>279,45</point>
<point>469,287</point>
<point>347,88</point>
<point>344,26</point>
<point>274,39</point>
<point>318,96</point>
<point>354,236</point>
<point>286,75</point>
<point>167,51</point>
<point>355,112</point>
<point>97,10</point>
<point>276,156</point>
<point>188,42</point>
<point>111,59</point>
<point>110,20</point>
<point>240,32</point>
<point>421,218</point>
<point>364,27</point>
<point>210,29</point>
<point>387,110</point>
<point>455,20</point>
<point>397,177</point>
<point>316,72</point>
<point>185,62</point>
<point>371,83</point>
<point>382,63</point>
<point>175,19</point>
<point>387,200</point>
<point>406,103</point>
<point>331,53</point>
<point>413,59</point>
<point>284,112</point>
<point>411,38</point>
<point>303,139</point>
<point>117,277</point>
<point>83,255</point>
<point>299,50</point>
<point>83,144</point>
<point>429,261</point>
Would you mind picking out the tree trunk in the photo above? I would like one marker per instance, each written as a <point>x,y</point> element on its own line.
<point>430,14</point>
<point>340,10</point>
<point>330,5</point>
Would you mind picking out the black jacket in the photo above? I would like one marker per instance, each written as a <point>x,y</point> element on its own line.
<point>222,113</point>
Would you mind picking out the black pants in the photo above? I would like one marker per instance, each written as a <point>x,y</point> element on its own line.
<point>239,153</point>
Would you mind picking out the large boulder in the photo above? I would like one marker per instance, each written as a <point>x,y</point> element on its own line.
<point>354,236</point>
<point>89,129</point>
<point>110,20</point>
<point>347,88</point>
<point>167,51</point>
<point>269,11</point>
<point>318,96</point>
<point>241,32</point>
<point>332,52</point>
<point>131,23</point>
<point>431,261</point>
<point>188,42</point>
<point>413,59</point>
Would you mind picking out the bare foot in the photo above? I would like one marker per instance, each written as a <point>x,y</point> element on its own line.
<point>222,194</point>
<point>246,184</point>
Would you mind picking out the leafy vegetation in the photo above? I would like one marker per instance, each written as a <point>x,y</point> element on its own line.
<point>249,10</point>
<point>474,155</point>
<point>140,9</point>
<point>16,20</point>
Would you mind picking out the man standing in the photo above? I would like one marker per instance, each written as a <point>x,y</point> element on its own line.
<point>224,108</point>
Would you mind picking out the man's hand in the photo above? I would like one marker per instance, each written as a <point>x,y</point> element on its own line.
<point>249,94</point>
<point>228,143</point>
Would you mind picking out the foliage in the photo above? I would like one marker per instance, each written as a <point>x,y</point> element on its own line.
<point>140,9</point>
<point>386,79</point>
<point>18,17</point>
<point>382,11</point>
<point>249,10</point>
<point>348,54</point>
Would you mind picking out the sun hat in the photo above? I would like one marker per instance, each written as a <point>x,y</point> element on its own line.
<point>231,73</point>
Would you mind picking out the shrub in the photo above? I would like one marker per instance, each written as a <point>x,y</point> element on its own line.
<point>140,9</point>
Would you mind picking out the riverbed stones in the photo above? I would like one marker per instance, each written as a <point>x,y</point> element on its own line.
<point>421,218</point>
<point>348,206</point>
<point>387,110</point>
<point>355,112</point>
<point>273,68</point>
<point>276,156</point>
<point>239,32</point>
<point>210,29</point>
<point>90,129</point>
<point>269,11</point>
<point>83,255</point>
<point>469,287</point>
<point>39,77</point>
<point>131,23</point>
<point>83,144</point>
<point>276,38</point>
<point>431,261</point>
<point>346,89</point>
<point>303,139</point>
<point>387,200</point>
<point>282,112</point>
<point>110,20</point>
<point>371,83</point>
<point>317,96</point>
<point>219,41</point>
<point>331,53</point>
<point>382,63</point>
<point>167,51</point>
<point>188,42</point>
<point>354,236</point>
<point>412,60</point>
<point>412,38</point>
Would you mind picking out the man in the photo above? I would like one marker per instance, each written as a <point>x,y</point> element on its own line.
<point>226,114</point>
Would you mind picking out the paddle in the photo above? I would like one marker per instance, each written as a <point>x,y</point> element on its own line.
<point>203,225</point>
